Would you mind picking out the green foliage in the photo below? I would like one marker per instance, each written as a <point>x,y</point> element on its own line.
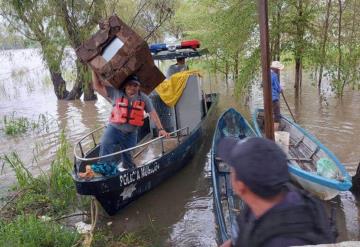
<point>62,190</point>
<point>228,29</point>
<point>28,231</point>
<point>14,126</point>
<point>23,176</point>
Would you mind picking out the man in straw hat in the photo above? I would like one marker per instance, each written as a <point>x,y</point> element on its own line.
<point>276,214</point>
<point>275,67</point>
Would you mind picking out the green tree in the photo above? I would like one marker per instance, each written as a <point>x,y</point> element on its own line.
<point>78,19</point>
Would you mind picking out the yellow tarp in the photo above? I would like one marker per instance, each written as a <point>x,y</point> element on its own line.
<point>171,89</point>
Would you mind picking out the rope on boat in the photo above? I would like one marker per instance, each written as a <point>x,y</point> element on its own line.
<point>94,209</point>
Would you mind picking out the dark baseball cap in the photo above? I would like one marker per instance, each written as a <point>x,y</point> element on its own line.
<point>133,79</point>
<point>258,162</point>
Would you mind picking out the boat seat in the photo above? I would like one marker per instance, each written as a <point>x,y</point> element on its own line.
<point>223,167</point>
<point>298,142</point>
<point>315,152</point>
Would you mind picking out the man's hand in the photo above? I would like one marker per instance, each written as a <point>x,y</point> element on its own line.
<point>227,243</point>
<point>155,118</point>
<point>164,133</point>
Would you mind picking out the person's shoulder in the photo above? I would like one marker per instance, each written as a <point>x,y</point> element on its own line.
<point>145,98</point>
<point>273,74</point>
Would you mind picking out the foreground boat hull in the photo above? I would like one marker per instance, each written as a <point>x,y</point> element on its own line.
<point>118,191</point>
<point>322,187</point>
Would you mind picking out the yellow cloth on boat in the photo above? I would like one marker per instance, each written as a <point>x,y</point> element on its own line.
<point>170,90</point>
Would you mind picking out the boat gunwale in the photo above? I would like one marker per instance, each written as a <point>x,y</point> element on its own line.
<point>125,150</point>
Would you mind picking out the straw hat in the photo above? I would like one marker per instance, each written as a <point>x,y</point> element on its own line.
<point>276,65</point>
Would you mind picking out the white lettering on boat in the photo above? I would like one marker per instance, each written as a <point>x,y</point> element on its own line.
<point>132,176</point>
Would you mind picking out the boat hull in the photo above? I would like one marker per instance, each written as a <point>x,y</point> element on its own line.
<point>320,191</point>
<point>322,187</point>
<point>118,191</point>
<point>227,205</point>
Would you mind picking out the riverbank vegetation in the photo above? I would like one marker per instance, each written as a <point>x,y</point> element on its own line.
<point>36,209</point>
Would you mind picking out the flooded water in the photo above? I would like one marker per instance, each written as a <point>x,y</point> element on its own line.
<point>181,208</point>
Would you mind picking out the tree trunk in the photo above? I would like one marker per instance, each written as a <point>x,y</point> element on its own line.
<point>298,49</point>
<point>59,84</point>
<point>277,38</point>
<point>81,85</point>
<point>297,74</point>
<point>227,73</point>
<point>236,66</point>
<point>73,31</point>
<point>55,73</point>
<point>326,27</point>
<point>87,84</point>
<point>339,42</point>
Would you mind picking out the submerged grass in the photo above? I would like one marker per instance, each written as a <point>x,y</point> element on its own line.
<point>142,238</point>
<point>29,231</point>
<point>14,125</point>
<point>24,177</point>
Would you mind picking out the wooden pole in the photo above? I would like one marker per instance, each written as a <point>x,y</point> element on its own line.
<point>287,105</point>
<point>265,62</point>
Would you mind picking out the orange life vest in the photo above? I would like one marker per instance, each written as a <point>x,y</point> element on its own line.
<point>122,112</point>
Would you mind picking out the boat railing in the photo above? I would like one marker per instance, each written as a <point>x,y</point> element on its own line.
<point>176,133</point>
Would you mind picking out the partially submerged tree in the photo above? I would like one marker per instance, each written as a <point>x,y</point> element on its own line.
<point>78,19</point>
<point>35,20</point>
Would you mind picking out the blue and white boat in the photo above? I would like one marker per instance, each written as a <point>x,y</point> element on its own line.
<point>311,164</point>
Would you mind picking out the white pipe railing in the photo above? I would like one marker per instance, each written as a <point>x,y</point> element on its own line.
<point>121,151</point>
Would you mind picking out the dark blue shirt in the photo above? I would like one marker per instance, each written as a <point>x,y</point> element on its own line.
<point>275,86</point>
<point>291,198</point>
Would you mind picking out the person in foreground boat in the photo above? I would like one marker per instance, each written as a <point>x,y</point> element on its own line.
<point>276,214</point>
<point>276,90</point>
<point>126,117</point>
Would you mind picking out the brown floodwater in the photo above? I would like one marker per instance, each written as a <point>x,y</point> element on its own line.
<point>180,210</point>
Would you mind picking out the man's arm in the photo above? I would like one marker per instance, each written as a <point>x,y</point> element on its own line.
<point>98,86</point>
<point>155,118</point>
